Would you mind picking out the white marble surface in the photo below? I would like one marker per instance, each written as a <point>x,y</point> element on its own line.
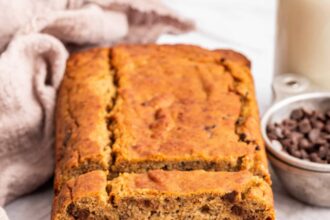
<point>244,25</point>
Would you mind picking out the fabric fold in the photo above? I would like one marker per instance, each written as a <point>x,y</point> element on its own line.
<point>30,72</point>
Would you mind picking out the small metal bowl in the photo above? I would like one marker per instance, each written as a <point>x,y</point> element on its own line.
<point>309,186</point>
<point>304,180</point>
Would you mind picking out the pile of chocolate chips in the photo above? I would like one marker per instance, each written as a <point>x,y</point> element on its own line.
<point>305,135</point>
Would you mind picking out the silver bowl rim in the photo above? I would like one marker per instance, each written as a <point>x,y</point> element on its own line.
<point>285,157</point>
<point>271,157</point>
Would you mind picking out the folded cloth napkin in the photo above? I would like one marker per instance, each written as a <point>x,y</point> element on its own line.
<point>33,36</point>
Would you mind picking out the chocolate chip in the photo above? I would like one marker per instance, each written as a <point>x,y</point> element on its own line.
<point>327,127</point>
<point>320,116</point>
<point>304,126</point>
<point>237,210</point>
<point>287,143</point>
<point>295,137</point>
<point>304,143</point>
<point>304,154</point>
<point>209,130</point>
<point>321,141</point>
<point>317,124</point>
<point>230,197</point>
<point>313,135</point>
<point>309,113</point>
<point>286,132</point>
<point>205,209</point>
<point>314,157</point>
<point>222,60</point>
<point>209,127</point>
<point>270,128</point>
<point>305,134</point>
<point>272,136</point>
<point>147,203</point>
<point>77,213</point>
<point>240,121</point>
<point>71,209</point>
<point>323,150</point>
<point>242,137</point>
<point>290,124</point>
<point>297,114</point>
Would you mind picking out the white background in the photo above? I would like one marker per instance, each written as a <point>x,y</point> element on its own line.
<point>247,26</point>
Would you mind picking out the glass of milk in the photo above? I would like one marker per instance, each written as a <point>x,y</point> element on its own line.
<point>303,40</point>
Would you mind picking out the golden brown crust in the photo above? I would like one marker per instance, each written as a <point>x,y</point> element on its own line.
<point>143,107</point>
<point>168,93</point>
<point>82,138</point>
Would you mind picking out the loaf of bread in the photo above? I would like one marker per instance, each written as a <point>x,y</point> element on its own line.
<point>159,132</point>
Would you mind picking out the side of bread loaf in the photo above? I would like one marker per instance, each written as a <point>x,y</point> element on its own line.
<point>162,194</point>
<point>140,108</point>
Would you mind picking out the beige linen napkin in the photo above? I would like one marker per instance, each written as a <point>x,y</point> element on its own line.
<point>32,63</point>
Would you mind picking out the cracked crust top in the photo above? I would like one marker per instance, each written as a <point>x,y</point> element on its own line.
<point>141,107</point>
<point>183,104</point>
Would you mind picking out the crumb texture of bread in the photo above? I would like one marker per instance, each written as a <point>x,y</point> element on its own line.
<point>160,194</point>
<point>159,132</point>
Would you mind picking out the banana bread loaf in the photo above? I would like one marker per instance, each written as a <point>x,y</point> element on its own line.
<point>159,132</point>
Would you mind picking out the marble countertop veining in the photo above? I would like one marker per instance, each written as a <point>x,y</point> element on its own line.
<point>246,26</point>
